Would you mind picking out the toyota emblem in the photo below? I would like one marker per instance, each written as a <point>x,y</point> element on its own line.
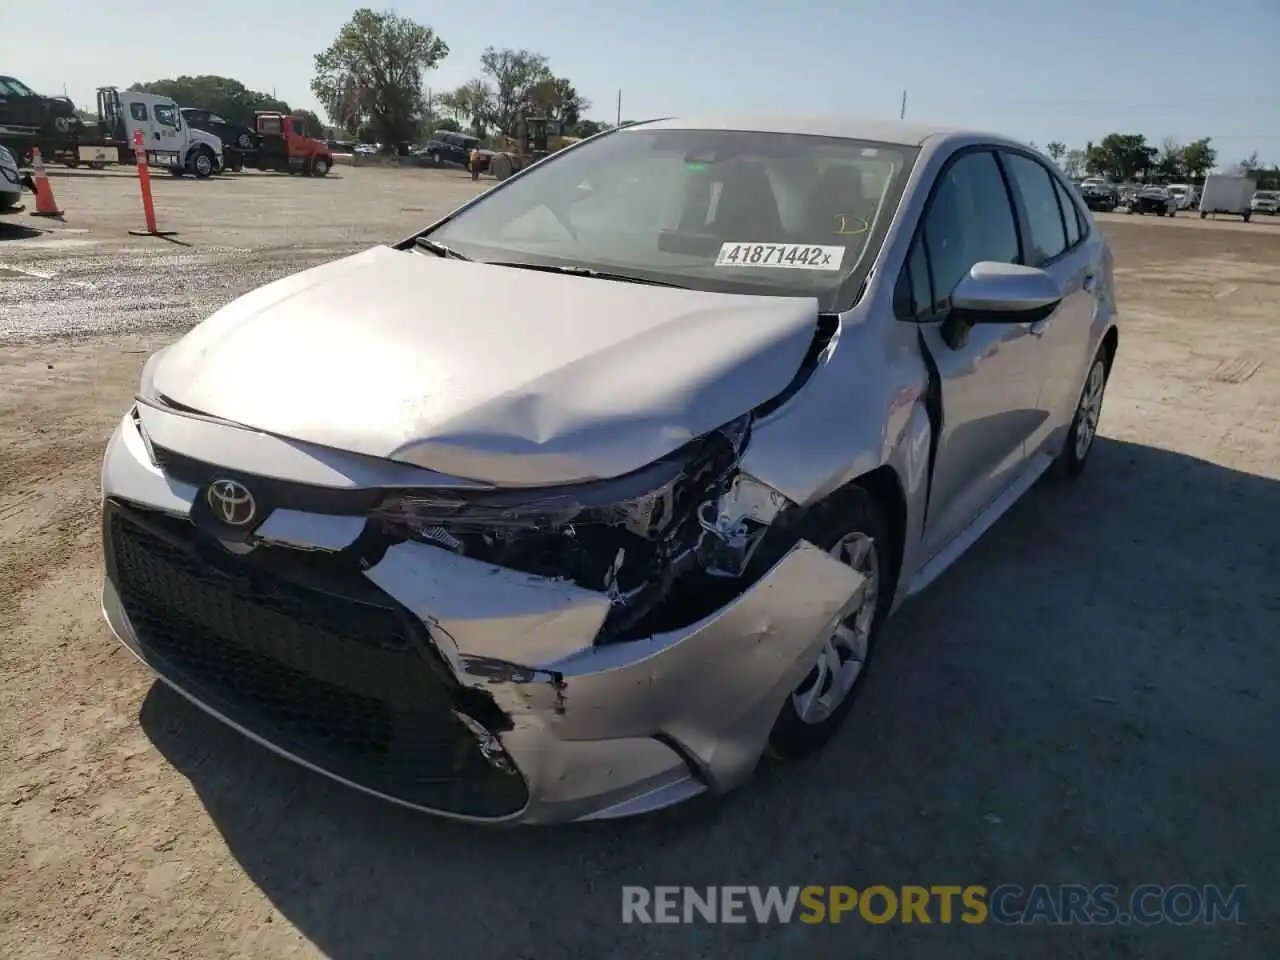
<point>231,502</point>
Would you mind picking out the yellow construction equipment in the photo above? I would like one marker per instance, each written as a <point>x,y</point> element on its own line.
<point>534,138</point>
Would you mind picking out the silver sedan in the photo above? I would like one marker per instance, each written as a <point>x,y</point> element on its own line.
<point>573,504</point>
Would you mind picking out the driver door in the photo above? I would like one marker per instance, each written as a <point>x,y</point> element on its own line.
<point>168,134</point>
<point>990,374</point>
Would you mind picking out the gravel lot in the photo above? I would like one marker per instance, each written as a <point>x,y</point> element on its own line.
<point>1088,697</point>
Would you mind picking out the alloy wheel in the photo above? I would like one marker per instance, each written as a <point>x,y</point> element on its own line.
<point>842,657</point>
<point>1090,409</point>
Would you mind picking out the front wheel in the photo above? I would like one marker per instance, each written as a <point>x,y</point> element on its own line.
<point>1084,425</point>
<point>319,167</point>
<point>851,528</point>
<point>202,163</point>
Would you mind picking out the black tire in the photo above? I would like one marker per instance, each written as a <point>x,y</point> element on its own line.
<point>244,141</point>
<point>1247,216</point>
<point>852,510</point>
<point>1203,214</point>
<point>319,167</point>
<point>203,163</point>
<point>1072,460</point>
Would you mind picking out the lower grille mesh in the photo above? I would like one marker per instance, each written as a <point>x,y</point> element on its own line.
<point>341,680</point>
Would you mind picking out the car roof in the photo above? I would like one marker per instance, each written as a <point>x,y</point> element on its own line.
<point>852,128</point>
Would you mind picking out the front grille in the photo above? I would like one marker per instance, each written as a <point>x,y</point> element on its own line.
<point>343,679</point>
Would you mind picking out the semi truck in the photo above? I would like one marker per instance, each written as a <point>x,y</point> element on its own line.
<point>1229,195</point>
<point>283,145</point>
<point>171,144</point>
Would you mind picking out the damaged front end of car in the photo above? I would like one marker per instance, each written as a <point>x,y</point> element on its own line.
<point>667,544</point>
<point>500,653</point>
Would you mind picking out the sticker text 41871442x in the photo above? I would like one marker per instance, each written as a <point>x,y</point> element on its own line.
<point>792,256</point>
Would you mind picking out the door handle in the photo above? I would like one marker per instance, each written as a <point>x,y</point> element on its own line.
<point>1090,282</point>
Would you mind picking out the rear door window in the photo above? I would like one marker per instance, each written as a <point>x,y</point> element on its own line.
<point>1070,214</point>
<point>1034,184</point>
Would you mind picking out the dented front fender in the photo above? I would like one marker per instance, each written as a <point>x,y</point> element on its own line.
<point>594,726</point>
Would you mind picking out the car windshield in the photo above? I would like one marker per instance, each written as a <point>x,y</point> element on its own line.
<point>15,87</point>
<point>727,211</point>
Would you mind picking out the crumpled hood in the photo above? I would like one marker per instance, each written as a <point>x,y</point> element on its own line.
<point>506,376</point>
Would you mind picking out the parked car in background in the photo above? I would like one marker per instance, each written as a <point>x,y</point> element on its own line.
<point>456,148</point>
<point>11,183</point>
<point>1102,197</point>
<point>1265,201</point>
<point>1184,194</point>
<point>23,112</point>
<point>230,132</point>
<point>1153,199</point>
<point>727,393</point>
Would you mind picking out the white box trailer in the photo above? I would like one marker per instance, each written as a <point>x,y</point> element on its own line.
<point>1230,195</point>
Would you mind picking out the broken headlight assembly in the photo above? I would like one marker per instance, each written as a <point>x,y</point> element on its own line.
<point>667,543</point>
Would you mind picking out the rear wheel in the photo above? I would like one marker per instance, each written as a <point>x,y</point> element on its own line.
<point>851,528</point>
<point>1084,426</point>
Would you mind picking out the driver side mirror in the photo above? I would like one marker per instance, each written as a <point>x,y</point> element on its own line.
<point>1004,293</point>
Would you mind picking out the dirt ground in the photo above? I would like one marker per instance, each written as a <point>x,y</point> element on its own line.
<point>1088,697</point>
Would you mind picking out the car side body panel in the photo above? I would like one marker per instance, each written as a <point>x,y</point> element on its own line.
<point>865,407</point>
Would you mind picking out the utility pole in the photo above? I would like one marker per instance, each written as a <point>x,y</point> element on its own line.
<point>902,112</point>
<point>619,118</point>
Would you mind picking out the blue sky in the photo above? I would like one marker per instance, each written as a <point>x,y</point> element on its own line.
<point>1035,69</point>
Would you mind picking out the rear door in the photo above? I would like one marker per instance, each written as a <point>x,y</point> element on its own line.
<point>989,373</point>
<point>1059,242</point>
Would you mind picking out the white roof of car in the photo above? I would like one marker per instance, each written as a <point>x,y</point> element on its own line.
<point>853,128</point>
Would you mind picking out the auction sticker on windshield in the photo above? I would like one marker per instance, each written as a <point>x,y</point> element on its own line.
<point>793,256</point>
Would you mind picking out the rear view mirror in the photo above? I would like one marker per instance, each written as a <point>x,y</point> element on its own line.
<point>1004,293</point>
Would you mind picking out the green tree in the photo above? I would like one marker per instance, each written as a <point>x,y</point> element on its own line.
<point>557,99</point>
<point>371,75</point>
<point>1249,166</point>
<point>473,103</point>
<point>1057,150</point>
<point>222,95</point>
<point>1120,156</point>
<point>1073,164</point>
<point>1198,158</point>
<point>514,75</point>
<point>1169,163</point>
<point>589,128</point>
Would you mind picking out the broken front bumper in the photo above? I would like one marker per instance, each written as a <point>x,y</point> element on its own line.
<point>443,683</point>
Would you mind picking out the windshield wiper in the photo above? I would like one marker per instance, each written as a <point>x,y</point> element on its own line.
<point>438,248</point>
<point>574,270</point>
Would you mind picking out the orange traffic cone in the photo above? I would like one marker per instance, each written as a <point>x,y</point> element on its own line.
<point>46,206</point>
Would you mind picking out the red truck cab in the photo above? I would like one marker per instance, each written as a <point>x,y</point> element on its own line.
<point>284,145</point>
